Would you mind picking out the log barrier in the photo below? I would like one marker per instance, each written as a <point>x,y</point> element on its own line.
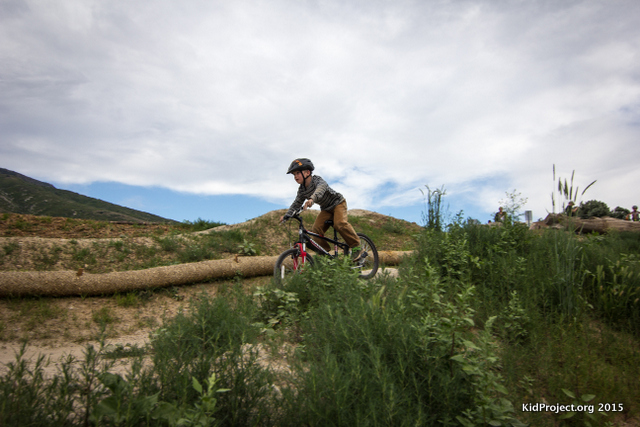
<point>76,283</point>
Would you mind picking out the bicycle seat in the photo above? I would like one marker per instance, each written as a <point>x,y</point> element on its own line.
<point>329,222</point>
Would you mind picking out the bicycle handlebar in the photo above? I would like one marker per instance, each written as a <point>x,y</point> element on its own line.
<point>295,214</point>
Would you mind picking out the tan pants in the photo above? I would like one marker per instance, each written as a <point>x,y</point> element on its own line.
<point>340,223</point>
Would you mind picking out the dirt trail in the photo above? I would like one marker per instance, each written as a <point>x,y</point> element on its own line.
<point>72,322</point>
<point>54,355</point>
<point>75,328</point>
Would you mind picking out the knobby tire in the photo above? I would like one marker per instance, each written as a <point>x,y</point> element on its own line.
<point>283,260</point>
<point>371,262</point>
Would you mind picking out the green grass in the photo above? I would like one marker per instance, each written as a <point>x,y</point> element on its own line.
<point>481,321</point>
<point>578,295</point>
<point>34,312</point>
<point>47,258</point>
<point>585,358</point>
<point>199,225</point>
<point>127,254</point>
<point>176,245</point>
<point>84,256</point>
<point>104,316</point>
<point>37,308</point>
<point>129,299</point>
<point>10,248</point>
<point>169,243</point>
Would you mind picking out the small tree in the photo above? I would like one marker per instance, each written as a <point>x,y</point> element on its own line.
<point>512,205</point>
<point>620,212</point>
<point>593,208</point>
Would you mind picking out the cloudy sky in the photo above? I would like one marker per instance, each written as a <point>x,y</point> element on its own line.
<point>196,108</point>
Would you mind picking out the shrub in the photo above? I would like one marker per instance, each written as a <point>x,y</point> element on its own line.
<point>620,213</point>
<point>593,208</point>
<point>247,248</point>
<point>194,253</point>
<point>514,321</point>
<point>169,244</point>
<point>103,316</point>
<point>382,352</point>
<point>217,335</point>
<point>200,224</point>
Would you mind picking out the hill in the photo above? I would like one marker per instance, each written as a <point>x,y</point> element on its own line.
<point>29,242</point>
<point>21,194</point>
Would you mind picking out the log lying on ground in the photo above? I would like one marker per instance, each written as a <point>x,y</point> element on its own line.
<point>598,225</point>
<point>70,283</point>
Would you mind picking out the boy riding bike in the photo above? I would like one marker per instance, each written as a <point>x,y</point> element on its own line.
<point>314,189</point>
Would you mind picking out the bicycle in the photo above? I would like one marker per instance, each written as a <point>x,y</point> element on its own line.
<point>297,258</point>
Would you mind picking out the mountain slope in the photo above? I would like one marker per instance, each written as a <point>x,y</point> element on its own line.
<point>24,195</point>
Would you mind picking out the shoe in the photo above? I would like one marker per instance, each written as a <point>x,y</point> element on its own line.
<point>355,253</point>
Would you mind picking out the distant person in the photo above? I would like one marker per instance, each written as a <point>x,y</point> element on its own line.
<point>634,215</point>
<point>500,216</point>
<point>570,210</point>
<point>314,189</point>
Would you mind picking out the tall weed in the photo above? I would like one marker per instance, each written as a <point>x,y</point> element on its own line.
<point>433,218</point>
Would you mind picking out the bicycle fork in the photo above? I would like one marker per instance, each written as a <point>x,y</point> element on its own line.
<point>298,259</point>
<point>302,248</point>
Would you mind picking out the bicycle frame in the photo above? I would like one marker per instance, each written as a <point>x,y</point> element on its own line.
<point>305,236</point>
<point>366,261</point>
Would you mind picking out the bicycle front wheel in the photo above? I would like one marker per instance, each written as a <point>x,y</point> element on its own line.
<point>289,263</point>
<point>368,262</point>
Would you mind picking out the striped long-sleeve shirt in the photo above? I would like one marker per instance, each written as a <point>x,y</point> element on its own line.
<point>318,191</point>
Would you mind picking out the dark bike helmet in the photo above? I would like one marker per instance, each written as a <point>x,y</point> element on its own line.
<point>300,165</point>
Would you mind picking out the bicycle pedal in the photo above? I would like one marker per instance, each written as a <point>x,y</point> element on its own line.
<point>360,258</point>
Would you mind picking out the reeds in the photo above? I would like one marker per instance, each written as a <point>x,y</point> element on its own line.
<point>566,192</point>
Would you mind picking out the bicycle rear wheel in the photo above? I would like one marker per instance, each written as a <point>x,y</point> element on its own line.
<point>289,263</point>
<point>368,262</point>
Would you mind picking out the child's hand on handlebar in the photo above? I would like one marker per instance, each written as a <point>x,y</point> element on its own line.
<point>284,218</point>
<point>308,204</point>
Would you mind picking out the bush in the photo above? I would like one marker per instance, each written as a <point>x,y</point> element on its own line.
<point>393,352</point>
<point>216,336</point>
<point>199,224</point>
<point>593,208</point>
<point>620,213</point>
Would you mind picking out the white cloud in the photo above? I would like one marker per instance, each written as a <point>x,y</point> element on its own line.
<point>219,97</point>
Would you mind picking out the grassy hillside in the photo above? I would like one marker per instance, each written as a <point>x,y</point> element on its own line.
<point>23,195</point>
<point>102,247</point>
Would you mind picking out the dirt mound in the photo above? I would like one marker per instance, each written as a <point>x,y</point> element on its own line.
<point>32,243</point>
<point>269,217</point>
<point>18,225</point>
<point>274,216</point>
